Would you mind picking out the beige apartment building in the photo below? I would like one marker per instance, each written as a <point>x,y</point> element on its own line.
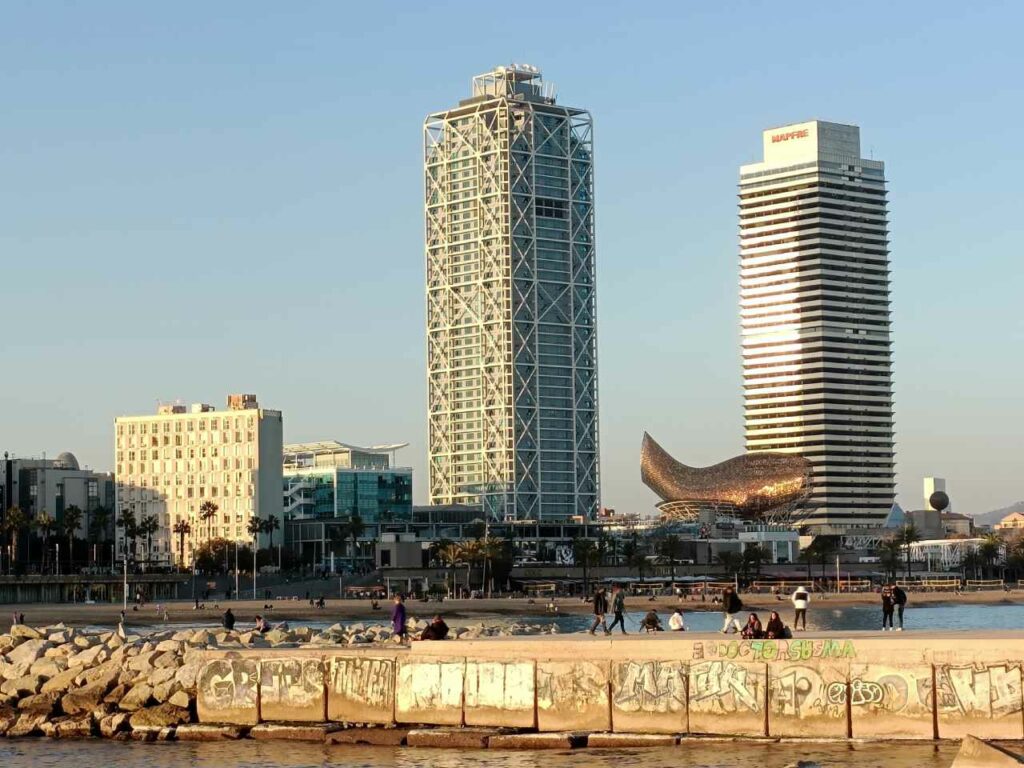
<point>169,463</point>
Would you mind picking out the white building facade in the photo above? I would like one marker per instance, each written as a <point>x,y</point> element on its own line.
<point>169,463</point>
<point>511,314</point>
<point>814,298</point>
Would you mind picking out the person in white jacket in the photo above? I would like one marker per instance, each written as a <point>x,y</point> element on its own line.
<point>675,621</point>
<point>801,598</point>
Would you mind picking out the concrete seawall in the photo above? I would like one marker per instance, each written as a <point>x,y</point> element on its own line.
<point>911,686</point>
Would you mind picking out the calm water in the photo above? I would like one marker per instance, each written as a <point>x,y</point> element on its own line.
<point>43,753</point>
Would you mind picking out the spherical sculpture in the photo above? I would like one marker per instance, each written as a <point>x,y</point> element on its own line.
<point>938,501</point>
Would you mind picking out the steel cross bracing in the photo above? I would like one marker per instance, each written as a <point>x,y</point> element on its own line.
<point>493,308</point>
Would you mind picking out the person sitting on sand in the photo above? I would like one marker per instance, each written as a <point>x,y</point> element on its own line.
<point>435,630</point>
<point>753,629</point>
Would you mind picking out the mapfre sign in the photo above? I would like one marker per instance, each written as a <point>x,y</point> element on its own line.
<point>803,133</point>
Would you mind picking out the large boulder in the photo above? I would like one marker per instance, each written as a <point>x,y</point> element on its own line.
<point>138,697</point>
<point>83,700</point>
<point>169,645</point>
<point>167,660</point>
<point>68,727</point>
<point>116,694</point>
<point>88,657</point>
<point>28,651</point>
<point>27,724</point>
<point>61,636</point>
<point>110,725</point>
<point>14,671</point>
<point>161,716</point>
<point>40,703</point>
<point>21,686</point>
<point>61,682</point>
<point>187,674</point>
<point>164,691</point>
<point>48,667</point>
<point>180,699</point>
<point>25,632</point>
<point>8,717</point>
<point>143,662</point>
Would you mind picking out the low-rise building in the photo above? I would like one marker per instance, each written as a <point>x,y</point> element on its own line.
<point>1011,522</point>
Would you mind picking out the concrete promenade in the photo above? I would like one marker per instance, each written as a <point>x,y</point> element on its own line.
<point>817,685</point>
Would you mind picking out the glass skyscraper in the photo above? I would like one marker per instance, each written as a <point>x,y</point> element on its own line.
<point>814,287</point>
<point>511,315</point>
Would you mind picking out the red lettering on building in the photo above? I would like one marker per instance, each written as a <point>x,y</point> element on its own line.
<point>801,134</point>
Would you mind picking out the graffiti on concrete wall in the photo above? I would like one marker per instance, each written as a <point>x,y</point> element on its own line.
<point>575,686</point>
<point>292,682</point>
<point>987,691</point>
<point>430,686</point>
<point>725,686</point>
<point>802,691</point>
<point>228,684</point>
<point>775,650</point>
<point>370,682</point>
<point>882,689</point>
<point>650,686</point>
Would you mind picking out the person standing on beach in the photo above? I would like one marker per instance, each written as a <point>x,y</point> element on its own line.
<point>900,598</point>
<point>618,608</point>
<point>888,605</point>
<point>600,610</point>
<point>398,619</point>
<point>801,599</point>
<point>731,605</point>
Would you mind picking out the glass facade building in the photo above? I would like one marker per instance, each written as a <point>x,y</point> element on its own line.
<point>511,314</point>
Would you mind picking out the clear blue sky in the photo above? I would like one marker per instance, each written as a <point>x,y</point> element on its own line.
<point>202,198</point>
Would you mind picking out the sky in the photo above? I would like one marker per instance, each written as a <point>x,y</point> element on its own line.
<point>204,198</point>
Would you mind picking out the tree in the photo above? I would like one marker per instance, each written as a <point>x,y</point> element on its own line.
<point>14,522</point>
<point>147,527</point>
<point>491,549</point>
<point>45,525</point>
<point>732,562</point>
<point>69,526</point>
<point>182,529</point>
<point>585,553</point>
<point>635,556</point>
<point>754,556</point>
<point>130,527</point>
<point>270,525</point>
<point>451,555</point>
<point>207,511</point>
<point>669,548</point>
<point>908,535</point>
<point>890,552</point>
<point>99,521</point>
<point>989,551</point>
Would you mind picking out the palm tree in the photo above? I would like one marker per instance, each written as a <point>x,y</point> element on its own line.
<point>270,525</point>
<point>490,549</point>
<point>147,527</point>
<point>451,555</point>
<point>207,511</point>
<point>989,550</point>
<point>69,525</point>
<point>890,552</point>
<point>754,557</point>
<point>668,548</point>
<point>99,519</point>
<point>14,522</point>
<point>44,524</point>
<point>254,528</point>
<point>908,535</point>
<point>127,523</point>
<point>731,561</point>
<point>182,529</point>
<point>584,552</point>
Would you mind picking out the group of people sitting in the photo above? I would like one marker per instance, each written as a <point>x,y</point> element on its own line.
<point>651,622</point>
<point>774,630</point>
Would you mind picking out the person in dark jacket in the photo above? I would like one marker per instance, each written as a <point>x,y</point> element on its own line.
<point>229,619</point>
<point>398,620</point>
<point>753,629</point>
<point>731,605</point>
<point>651,622</point>
<point>888,606</point>
<point>435,630</point>
<point>600,610</point>
<point>618,608</point>
<point>775,629</point>
<point>899,597</point>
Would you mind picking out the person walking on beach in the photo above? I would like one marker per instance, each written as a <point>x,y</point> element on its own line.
<point>888,606</point>
<point>398,620</point>
<point>600,610</point>
<point>618,608</point>
<point>731,605</point>
<point>800,599</point>
<point>900,598</point>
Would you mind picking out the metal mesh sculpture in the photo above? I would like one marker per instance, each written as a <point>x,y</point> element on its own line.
<point>765,487</point>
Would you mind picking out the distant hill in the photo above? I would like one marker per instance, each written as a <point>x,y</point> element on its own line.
<point>993,517</point>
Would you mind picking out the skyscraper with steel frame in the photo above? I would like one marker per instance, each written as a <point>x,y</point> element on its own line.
<point>814,287</point>
<point>511,314</point>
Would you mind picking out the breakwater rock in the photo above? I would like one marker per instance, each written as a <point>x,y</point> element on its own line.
<point>64,682</point>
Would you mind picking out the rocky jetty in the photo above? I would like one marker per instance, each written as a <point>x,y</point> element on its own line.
<point>64,682</point>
